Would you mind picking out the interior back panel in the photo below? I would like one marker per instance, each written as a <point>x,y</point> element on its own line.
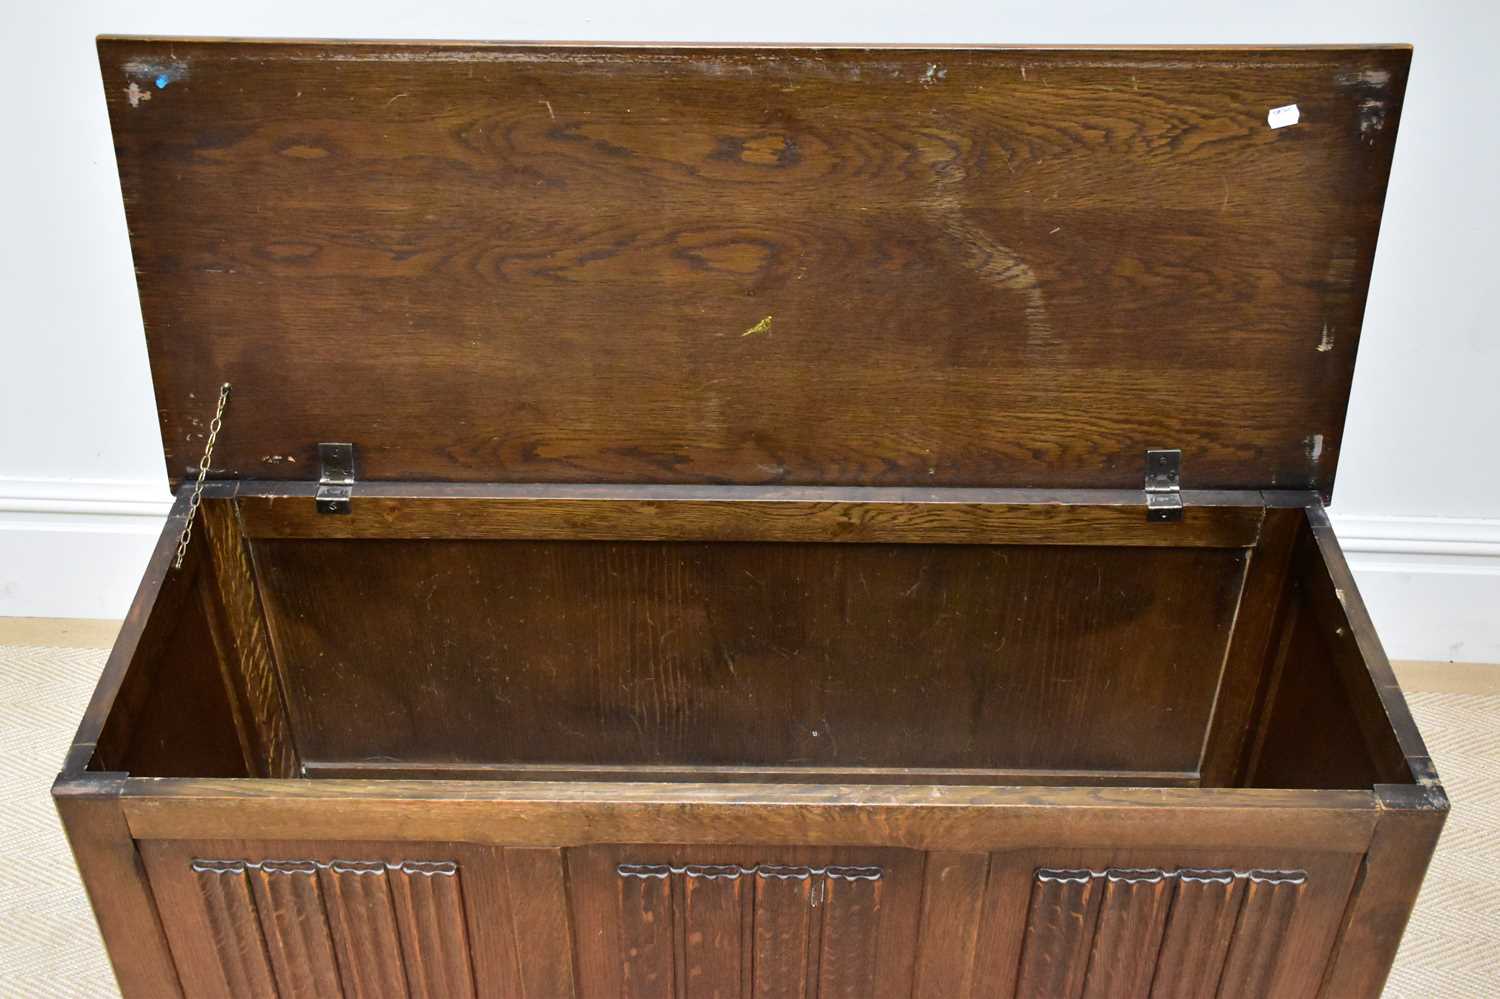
<point>749,653</point>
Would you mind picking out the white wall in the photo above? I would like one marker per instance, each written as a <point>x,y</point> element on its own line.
<point>82,486</point>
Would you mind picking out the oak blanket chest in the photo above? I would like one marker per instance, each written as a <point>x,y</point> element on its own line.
<point>690,522</point>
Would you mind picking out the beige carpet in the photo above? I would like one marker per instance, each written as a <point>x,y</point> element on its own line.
<point>49,947</point>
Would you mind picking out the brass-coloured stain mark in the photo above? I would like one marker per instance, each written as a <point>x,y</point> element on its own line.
<point>764,326</point>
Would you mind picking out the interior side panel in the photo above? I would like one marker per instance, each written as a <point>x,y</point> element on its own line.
<point>750,654</point>
<point>174,715</point>
<point>1323,724</point>
<point>250,668</point>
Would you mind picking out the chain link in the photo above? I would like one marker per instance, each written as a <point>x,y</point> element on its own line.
<point>208,452</point>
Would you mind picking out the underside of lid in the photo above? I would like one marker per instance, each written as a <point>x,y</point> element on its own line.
<point>940,267</point>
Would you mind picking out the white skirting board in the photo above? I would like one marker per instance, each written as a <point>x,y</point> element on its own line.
<point>1432,583</point>
<point>77,548</point>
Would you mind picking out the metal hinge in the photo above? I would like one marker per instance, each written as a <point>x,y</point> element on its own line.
<point>336,479</point>
<point>1163,484</point>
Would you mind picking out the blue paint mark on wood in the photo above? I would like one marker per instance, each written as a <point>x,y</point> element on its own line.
<point>155,75</point>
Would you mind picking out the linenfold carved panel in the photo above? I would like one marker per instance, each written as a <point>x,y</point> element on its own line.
<point>762,932</point>
<point>345,928</point>
<point>1155,933</point>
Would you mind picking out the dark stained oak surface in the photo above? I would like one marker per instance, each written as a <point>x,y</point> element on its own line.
<point>749,655</point>
<point>579,699</point>
<point>748,513</point>
<point>575,812</point>
<point>934,267</point>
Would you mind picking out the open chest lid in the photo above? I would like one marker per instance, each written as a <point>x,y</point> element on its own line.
<point>871,266</point>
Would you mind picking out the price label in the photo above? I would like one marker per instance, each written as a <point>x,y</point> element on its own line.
<point>1283,116</point>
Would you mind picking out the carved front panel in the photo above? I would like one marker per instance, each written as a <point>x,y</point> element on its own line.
<point>1155,933</point>
<point>769,931</point>
<point>609,922</point>
<point>343,928</point>
<point>365,919</point>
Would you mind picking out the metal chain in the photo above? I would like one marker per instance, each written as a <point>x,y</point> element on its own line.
<point>208,452</point>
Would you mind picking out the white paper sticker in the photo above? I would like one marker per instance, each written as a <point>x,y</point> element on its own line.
<point>1283,116</point>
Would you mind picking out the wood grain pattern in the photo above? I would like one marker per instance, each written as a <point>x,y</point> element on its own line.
<point>1059,930</point>
<point>160,588</point>
<point>714,958</point>
<point>1166,934</point>
<point>613,264</point>
<point>399,924</point>
<point>1127,940</point>
<point>777,928</point>
<point>765,931</point>
<point>1107,933</point>
<point>1361,657</point>
<point>1260,932</point>
<point>1251,656</point>
<point>1386,890</point>
<point>787,946</point>
<point>536,813</point>
<point>537,885</point>
<point>648,934</point>
<point>1330,722</point>
<point>1197,935</point>
<point>434,932</point>
<point>606,321</point>
<point>1222,519</point>
<point>745,655</point>
<point>952,905</point>
<point>603,320</point>
<point>237,935</point>
<point>849,954</point>
<point>294,925</point>
<point>173,710</point>
<point>350,928</point>
<point>700,774</point>
<point>119,892</point>
<point>250,667</point>
<point>362,916</point>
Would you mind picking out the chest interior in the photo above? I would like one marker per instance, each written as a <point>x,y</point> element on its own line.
<point>805,638</point>
<point>753,413</point>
